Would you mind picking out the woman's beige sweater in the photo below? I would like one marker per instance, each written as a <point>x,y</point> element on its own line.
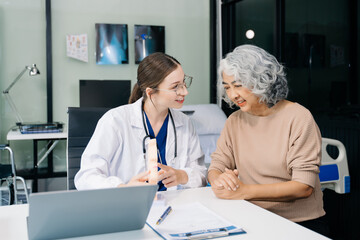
<point>281,147</point>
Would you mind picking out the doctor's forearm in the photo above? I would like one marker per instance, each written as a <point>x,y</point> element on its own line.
<point>196,178</point>
<point>183,177</point>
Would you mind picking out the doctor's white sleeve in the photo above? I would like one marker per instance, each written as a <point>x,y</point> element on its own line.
<point>95,161</point>
<point>195,166</point>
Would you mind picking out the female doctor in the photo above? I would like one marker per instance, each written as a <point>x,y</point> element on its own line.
<point>116,153</point>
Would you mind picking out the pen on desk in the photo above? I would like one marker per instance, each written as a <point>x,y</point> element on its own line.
<point>164,215</point>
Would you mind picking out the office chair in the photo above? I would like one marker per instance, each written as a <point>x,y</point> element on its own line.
<point>81,126</point>
<point>8,174</point>
<point>334,173</point>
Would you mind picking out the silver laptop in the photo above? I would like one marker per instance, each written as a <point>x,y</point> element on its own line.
<point>67,214</point>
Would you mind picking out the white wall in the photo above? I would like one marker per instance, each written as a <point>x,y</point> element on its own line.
<point>186,32</point>
<point>22,42</point>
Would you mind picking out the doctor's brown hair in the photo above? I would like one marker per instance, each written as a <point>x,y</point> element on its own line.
<point>151,72</point>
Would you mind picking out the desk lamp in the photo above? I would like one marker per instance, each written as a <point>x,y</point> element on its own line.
<point>32,72</point>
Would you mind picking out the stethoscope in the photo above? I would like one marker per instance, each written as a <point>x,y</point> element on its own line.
<point>148,135</point>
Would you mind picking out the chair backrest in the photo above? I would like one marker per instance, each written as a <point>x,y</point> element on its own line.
<point>81,126</point>
<point>5,171</point>
<point>208,131</point>
<point>334,173</point>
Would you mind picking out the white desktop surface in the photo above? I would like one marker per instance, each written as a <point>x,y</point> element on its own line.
<point>17,135</point>
<point>257,222</point>
<point>13,221</point>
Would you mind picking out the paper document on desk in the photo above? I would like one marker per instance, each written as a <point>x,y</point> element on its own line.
<point>191,221</point>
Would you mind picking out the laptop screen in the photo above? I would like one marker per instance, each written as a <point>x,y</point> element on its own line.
<point>67,214</point>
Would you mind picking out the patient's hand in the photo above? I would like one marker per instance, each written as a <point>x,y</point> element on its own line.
<point>227,180</point>
<point>227,185</point>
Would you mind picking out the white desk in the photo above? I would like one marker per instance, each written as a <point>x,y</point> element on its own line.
<point>52,138</point>
<point>257,222</point>
<point>17,135</point>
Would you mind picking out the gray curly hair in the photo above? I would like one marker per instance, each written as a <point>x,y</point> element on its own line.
<point>258,71</point>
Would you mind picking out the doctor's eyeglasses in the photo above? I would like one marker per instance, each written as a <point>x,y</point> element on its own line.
<point>177,89</point>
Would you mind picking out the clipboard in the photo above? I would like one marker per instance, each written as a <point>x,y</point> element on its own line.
<point>191,221</point>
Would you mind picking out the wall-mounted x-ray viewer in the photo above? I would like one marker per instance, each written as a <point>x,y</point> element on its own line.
<point>148,39</point>
<point>111,43</point>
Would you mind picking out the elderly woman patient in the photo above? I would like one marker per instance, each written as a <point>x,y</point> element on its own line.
<point>269,151</point>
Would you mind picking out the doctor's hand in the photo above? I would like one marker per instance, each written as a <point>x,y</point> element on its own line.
<point>172,177</point>
<point>139,179</point>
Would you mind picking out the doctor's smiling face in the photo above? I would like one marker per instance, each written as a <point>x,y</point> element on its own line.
<point>172,90</point>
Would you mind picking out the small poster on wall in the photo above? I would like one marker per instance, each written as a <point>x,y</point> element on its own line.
<point>77,47</point>
<point>148,39</point>
<point>111,43</point>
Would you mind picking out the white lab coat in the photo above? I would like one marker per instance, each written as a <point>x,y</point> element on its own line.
<point>115,151</point>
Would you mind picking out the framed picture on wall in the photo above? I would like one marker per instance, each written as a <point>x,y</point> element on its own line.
<point>148,39</point>
<point>111,43</point>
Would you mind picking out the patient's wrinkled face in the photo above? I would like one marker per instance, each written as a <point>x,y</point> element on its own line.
<point>241,95</point>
